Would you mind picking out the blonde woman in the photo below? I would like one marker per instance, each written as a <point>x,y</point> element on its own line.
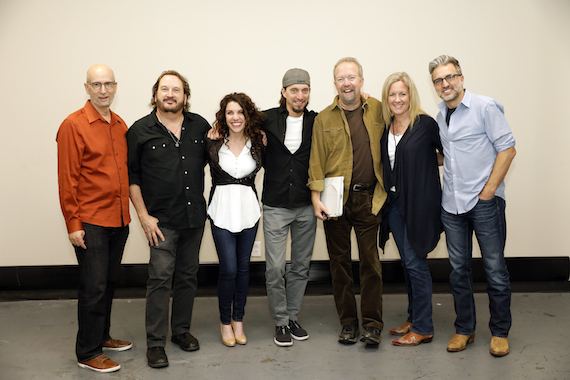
<point>409,148</point>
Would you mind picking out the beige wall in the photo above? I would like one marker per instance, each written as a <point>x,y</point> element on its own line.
<point>515,51</point>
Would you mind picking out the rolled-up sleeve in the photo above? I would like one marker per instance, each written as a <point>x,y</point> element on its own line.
<point>317,158</point>
<point>497,127</point>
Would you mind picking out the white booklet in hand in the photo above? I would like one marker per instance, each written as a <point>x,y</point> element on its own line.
<point>332,194</point>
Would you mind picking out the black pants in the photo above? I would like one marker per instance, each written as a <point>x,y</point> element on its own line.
<point>98,270</point>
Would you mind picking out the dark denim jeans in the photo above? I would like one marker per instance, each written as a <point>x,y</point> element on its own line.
<point>416,274</point>
<point>487,220</point>
<point>234,251</point>
<point>99,266</point>
<point>173,265</point>
<point>358,215</point>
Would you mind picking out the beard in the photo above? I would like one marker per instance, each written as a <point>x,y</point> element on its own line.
<point>174,108</point>
<point>349,99</point>
<point>299,110</point>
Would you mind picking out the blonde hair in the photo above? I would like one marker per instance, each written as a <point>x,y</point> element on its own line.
<point>415,109</point>
<point>348,59</point>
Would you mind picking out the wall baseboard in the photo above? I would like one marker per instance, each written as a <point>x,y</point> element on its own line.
<point>528,274</point>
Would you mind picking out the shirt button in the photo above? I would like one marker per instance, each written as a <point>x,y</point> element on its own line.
<point>153,147</point>
<point>183,157</point>
<point>164,145</point>
<point>183,128</point>
<point>185,172</point>
<point>187,187</point>
<point>189,203</point>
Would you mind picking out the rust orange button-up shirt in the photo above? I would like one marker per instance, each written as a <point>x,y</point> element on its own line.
<point>92,170</point>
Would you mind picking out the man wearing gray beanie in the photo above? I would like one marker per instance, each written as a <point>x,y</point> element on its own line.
<point>287,205</point>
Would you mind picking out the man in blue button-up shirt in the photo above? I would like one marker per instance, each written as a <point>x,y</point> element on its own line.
<point>478,147</point>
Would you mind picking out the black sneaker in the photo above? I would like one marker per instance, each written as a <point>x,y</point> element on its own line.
<point>282,336</point>
<point>297,332</point>
<point>349,334</point>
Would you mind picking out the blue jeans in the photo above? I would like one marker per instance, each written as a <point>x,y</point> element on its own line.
<point>173,265</point>
<point>234,251</point>
<point>99,266</point>
<point>416,274</point>
<point>487,220</point>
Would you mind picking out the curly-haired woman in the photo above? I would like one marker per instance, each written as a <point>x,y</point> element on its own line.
<point>234,209</point>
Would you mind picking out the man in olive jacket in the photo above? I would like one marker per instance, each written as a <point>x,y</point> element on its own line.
<point>346,142</point>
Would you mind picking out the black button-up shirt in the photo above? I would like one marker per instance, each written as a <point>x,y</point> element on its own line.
<point>286,173</point>
<point>171,178</point>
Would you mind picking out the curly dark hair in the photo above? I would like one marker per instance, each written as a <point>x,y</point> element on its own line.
<point>253,118</point>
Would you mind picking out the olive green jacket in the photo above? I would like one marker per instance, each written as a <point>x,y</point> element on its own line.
<point>331,149</point>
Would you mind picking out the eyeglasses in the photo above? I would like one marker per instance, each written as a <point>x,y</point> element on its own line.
<point>97,85</point>
<point>449,79</point>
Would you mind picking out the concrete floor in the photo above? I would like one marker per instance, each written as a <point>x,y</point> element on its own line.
<point>37,342</point>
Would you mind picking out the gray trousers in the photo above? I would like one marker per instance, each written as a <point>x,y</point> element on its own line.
<point>285,290</point>
<point>173,265</point>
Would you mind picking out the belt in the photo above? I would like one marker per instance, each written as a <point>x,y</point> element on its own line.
<point>362,186</point>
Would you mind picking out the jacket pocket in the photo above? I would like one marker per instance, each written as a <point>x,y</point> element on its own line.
<point>334,138</point>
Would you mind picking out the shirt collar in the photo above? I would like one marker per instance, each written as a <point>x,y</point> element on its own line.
<point>187,116</point>
<point>93,115</point>
<point>466,101</point>
<point>336,104</point>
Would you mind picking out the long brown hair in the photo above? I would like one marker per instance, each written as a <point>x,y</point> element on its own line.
<point>253,118</point>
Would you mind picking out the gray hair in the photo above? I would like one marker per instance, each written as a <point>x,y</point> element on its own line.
<point>444,60</point>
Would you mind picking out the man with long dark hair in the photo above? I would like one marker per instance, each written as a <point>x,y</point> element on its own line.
<point>166,173</point>
<point>287,205</point>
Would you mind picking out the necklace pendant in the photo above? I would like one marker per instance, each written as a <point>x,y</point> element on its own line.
<point>177,144</point>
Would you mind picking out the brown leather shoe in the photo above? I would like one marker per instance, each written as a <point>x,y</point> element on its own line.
<point>117,345</point>
<point>100,363</point>
<point>412,339</point>
<point>499,346</point>
<point>459,342</point>
<point>402,330</point>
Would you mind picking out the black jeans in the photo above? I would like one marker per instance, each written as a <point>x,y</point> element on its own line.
<point>99,266</point>
<point>173,265</point>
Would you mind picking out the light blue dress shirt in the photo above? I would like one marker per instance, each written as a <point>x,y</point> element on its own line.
<point>477,132</point>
